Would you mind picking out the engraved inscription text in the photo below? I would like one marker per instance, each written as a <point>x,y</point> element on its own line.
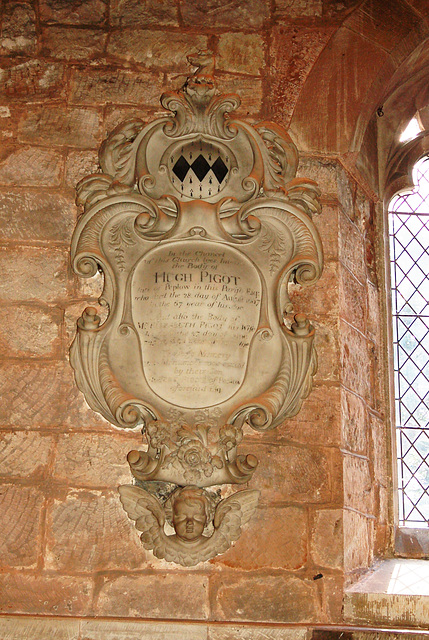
<point>196,309</point>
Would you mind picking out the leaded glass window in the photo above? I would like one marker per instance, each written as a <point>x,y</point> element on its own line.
<point>409,254</point>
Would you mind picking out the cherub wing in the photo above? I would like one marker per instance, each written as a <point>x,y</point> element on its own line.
<point>236,511</point>
<point>149,517</point>
<point>231,515</point>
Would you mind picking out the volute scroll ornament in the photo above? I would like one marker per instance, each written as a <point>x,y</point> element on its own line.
<point>199,225</point>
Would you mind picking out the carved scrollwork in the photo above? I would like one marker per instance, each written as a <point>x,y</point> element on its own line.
<point>201,454</point>
<point>117,153</point>
<point>281,156</point>
<point>199,227</point>
<point>94,377</point>
<point>196,108</point>
<point>292,385</point>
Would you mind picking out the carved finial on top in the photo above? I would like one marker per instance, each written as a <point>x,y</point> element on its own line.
<point>205,63</point>
<point>202,82</point>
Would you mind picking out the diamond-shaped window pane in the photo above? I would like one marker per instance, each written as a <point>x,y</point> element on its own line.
<point>404,261</point>
<point>421,329</point>
<point>403,235</point>
<point>409,249</point>
<point>409,372</point>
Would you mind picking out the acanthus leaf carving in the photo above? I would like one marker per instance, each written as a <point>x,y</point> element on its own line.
<point>117,153</point>
<point>281,156</point>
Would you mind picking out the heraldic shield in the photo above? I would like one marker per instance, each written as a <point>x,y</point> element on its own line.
<point>199,225</point>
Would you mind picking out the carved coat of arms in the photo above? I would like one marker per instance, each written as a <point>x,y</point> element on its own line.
<point>198,225</point>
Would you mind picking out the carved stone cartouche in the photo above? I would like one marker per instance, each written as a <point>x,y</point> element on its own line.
<point>198,224</point>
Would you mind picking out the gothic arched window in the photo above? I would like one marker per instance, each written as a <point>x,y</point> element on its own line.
<point>409,255</point>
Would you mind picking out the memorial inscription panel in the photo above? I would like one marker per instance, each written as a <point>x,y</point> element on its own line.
<point>198,224</point>
<point>196,309</point>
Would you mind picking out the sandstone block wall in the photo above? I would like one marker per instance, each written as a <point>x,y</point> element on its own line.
<point>70,71</point>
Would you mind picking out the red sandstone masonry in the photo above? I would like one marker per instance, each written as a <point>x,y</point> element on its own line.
<point>58,126</point>
<point>321,299</point>
<point>73,12</point>
<point>154,13</point>
<point>287,548</point>
<point>358,530</point>
<point>30,167</point>
<point>28,331</point>
<point>181,595</point>
<point>355,361</point>
<point>358,484</point>
<point>354,423</point>
<point>44,395</point>
<point>36,217</point>
<point>20,524</point>
<point>102,86</point>
<point>292,474</point>
<point>25,455</point>
<point>221,13</point>
<point>30,274</point>
<point>274,597</point>
<point>327,347</point>
<point>351,249</point>
<point>394,23</point>
<point>72,44</point>
<point>250,91</point>
<point>45,594</point>
<point>18,34</point>
<point>325,171</point>
<point>352,300</point>
<point>327,225</point>
<point>293,53</point>
<point>321,408</point>
<point>331,593</point>
<point>95,459</point>
<point>87,532</point>
<point>333,130</point>
<point>32,395</point>
<point>31,81</point>
<point>79,164</point>
<point>327,524</point>
<point>99,63</point>
<point>241,53</point>
<point>115,114</point>
<point>153,49</point>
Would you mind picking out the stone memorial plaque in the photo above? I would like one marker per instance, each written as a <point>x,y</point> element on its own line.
<point>198,224</point>
<point>196,308</point>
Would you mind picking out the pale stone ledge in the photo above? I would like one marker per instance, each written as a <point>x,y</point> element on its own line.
<point>394,594</point>
<point>17,627</point>
<point>30,628</point>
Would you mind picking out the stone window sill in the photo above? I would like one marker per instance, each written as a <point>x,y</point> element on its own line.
<point>394,593</point>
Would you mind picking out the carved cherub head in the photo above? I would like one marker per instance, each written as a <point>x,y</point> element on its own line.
<point>191,512</point>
